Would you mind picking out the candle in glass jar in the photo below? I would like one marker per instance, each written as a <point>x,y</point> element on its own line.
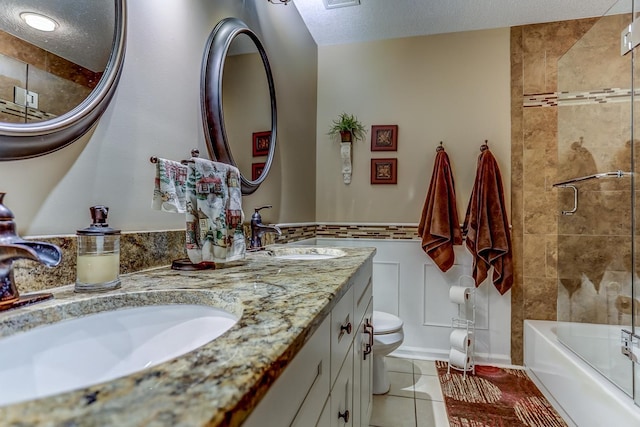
<point>101,268</point>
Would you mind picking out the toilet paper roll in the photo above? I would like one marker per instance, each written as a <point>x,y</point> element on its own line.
<point>459,294</point>
<point>460,339</point>
<point>459,359</point>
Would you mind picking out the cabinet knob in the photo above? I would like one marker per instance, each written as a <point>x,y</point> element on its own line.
<point>344,415</point>
<point>346,328</point>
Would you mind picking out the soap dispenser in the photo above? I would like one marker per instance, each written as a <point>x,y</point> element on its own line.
<point>98,266</point>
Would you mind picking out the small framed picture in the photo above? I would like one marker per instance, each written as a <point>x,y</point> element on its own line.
<point>384,171</point>
<point>261,143</point>
<point>384,138</point>
<point>256,170</point>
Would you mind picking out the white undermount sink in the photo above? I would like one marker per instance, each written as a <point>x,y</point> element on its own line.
<point>100,347</point>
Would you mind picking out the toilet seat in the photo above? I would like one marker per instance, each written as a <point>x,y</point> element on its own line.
<point>385,323</point>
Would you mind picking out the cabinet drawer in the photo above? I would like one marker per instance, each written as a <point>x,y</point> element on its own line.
<point>343,330</point>
<point>299,394</point>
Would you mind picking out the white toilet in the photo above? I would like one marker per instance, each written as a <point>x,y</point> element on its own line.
<point>387,336</point>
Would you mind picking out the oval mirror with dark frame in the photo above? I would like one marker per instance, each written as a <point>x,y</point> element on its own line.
<point>238,105</point>
<point>56,82</point>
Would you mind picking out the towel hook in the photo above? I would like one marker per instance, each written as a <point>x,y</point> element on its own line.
<point>485,146</point>
<point>440,147</point>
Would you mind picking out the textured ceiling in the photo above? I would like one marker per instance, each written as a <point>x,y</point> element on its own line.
<point>386,19</point>
<point>85,33</point>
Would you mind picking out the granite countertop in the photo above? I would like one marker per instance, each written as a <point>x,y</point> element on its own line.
<point>281,303</point>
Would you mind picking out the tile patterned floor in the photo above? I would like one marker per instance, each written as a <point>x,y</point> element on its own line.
<point>415,398</point>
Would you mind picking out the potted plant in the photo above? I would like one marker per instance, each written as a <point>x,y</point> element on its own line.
<point>348,127</point>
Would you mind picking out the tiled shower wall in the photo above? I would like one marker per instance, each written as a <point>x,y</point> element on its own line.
<point>535,50</point>
<point>594,133</point>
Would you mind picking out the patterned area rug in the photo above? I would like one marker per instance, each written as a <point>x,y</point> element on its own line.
<point>495,397</point>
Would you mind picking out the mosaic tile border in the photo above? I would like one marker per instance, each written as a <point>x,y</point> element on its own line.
<point>600,96</point>
<point>373,231</point>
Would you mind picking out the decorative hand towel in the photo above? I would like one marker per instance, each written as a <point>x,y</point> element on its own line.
<point>439,225</point>
<point>214,212</point>
<point>486,226</point>
<point>169,189</point>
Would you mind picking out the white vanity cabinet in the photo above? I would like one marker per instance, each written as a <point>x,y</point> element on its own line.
<point>328,383</point>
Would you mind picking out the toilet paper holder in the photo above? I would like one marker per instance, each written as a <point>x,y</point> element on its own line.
<point>462,338</point>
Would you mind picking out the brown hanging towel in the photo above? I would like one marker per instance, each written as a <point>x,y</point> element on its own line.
<point>486,226</point>
<point>439,225</point>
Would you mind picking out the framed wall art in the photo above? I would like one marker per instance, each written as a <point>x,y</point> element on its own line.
<point>256,170</point>
<point>384,138</point>
<point>384,171</point>
<point>261,143</point>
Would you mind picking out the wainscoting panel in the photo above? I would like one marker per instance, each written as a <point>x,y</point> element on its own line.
<point>437,310</point>
<point>408,284</point>
<point>386,284</point>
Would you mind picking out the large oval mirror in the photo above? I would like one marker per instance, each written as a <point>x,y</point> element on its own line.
<point>56,80</point>
<point>239,102</point>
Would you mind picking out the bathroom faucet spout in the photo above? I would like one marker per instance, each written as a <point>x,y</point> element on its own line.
<point>12,248</point>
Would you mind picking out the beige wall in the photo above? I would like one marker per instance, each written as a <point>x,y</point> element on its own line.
<point>156,111</point>
<point>450,87</point>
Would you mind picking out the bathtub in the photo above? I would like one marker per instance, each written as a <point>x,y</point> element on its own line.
<point>580,393</point>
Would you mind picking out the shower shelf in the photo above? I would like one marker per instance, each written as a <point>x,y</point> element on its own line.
<point>569,184</point>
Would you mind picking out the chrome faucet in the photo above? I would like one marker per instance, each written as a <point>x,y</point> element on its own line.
<point>258,229</point>
<point>12,247</point>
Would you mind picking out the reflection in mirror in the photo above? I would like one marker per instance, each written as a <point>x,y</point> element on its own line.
<point>54,84</point>
<point>238,102</point>
<point>245,100</point>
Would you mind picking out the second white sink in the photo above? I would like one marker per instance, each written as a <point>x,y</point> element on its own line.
<point>304,253</point>
<point>80,352</point>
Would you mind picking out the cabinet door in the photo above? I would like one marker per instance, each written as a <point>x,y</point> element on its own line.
<point>366,366</point>
<point>299,394</point>
<point>342,332</point>
<point>342,395</point>
<point>362,292</point>
<point>325,417</point>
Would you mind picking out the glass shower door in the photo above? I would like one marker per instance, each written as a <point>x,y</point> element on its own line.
<point>595,222</point>
<point>635,163</point>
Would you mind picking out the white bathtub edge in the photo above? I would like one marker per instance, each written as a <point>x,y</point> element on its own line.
<point>585,397</point>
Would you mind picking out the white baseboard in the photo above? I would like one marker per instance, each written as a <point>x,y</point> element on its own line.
<point>419,353</point>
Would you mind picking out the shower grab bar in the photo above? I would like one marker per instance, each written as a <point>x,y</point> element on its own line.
<point>569,184</point>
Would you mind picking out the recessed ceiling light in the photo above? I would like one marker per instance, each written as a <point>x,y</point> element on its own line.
<point>39,22</point>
